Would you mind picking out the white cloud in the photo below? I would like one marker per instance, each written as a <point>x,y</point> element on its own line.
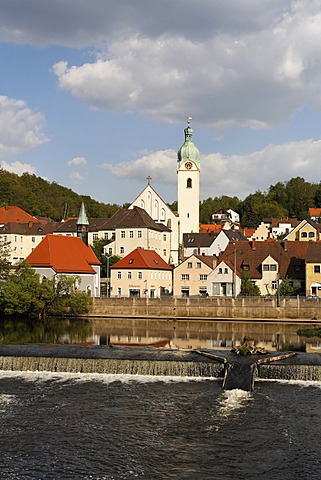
<point>18,167</point>
<point>161,166</point>
<point>234,175</point>
<point>77,162</point>
<point>20,127</point>
<point>76,177</point>
<point>243,75</point>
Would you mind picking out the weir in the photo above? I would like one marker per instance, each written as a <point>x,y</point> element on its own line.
<point>236,373</point>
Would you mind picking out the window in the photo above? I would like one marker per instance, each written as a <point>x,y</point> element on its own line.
<point>246,266</point>
<point>189,183</point>
<point>15,238</point>
<point>106,236</point>
<point>317,269</point>
<point>311,234</point>
<point>139,275</point>
<point>304,234</point>
<point>274,285</point>
<point>131,234</point>
<point>119,291</point>
<point>119,275</point>
<point>121,250</point>
<point>198,265</point>
<point>220,271</point>
<point>164,237</point>
<point>266,268</point>
<point>189,265</point>
<point>110,251</point>
<point>122,234</point>
<point>297,268</point>
<point>225,270</point>
<point>139,234</point>
<point>203,276</point>
<point>185,276</point>
<point>129,275</point>
<point>33,239</point>
<point>95,236</point>
<point>164,252</point>
<point>273,267</point>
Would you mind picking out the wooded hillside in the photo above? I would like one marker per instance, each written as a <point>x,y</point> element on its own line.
<point>42,198</point>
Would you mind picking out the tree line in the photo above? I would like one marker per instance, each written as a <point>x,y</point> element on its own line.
<point>39,197</point>
<point>292,198</point>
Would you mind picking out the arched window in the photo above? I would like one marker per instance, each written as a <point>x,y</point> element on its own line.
<point>156,212</point>
<point>142,204</point>
<point>163,215</point>
<point>189,183</point>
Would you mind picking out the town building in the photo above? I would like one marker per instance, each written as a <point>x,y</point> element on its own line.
<point>190,277</point>
<point>305,231</point>
<point>313,269</point>
<point>265,263</point>
<point>141,273</point>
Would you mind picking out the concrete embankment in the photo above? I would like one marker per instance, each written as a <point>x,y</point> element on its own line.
<point>267,308</point>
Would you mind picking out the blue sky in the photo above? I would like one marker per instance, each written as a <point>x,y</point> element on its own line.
<point>95,95</point>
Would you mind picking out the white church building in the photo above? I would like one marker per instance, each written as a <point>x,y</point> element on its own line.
<point>186,220</point>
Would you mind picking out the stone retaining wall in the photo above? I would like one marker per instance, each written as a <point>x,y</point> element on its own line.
<point>211,307</point>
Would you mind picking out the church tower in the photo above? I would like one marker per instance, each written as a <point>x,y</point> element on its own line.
<point>188,184</point>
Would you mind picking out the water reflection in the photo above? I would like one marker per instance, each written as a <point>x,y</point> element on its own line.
<point>188,334</point>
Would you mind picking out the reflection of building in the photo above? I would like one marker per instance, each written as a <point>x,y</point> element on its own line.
<point>141,273</point>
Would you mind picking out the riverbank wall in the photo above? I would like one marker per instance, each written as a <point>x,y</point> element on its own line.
<point>245,308</point>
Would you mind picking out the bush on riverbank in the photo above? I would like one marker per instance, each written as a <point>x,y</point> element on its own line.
<point>26,294</point>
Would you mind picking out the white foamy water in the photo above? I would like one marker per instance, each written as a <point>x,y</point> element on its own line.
<point>298,383</point>
<point>35,376</point>
<point>233,400</point>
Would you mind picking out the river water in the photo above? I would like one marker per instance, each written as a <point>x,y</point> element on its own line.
<point>79,426</point>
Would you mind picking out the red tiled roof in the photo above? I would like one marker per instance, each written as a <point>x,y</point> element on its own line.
<point>64,255</point>
<point>142,259</point>
<point>15,214</point>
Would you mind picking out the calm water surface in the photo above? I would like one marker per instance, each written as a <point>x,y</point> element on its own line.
<point>77,426</point>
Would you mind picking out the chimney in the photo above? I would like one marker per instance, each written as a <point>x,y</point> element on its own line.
<point>30,224</point>
<point>285,245</point>
<point>253,244</point>
<point>198,249</point>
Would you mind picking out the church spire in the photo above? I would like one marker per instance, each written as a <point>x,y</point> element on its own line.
<point>188,151</point>
<point>82,224</point>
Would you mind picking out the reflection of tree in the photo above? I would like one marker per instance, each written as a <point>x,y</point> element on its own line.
<point>16,332</point>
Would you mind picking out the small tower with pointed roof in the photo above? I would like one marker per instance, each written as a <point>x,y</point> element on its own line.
<point>188,184</point>
<point>83,224</point>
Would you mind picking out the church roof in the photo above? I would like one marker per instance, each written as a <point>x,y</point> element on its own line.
<point>135,217</point>
<point>64,255</point>
<point>142,259</point>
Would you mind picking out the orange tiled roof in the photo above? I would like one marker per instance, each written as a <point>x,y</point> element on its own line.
<point>142,259</point>
<point>15,214</point>
<point>210,227</point>
<point>64,255</point>
<point>315,212</point>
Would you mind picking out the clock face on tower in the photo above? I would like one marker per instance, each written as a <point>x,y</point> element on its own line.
<point>188,165</point>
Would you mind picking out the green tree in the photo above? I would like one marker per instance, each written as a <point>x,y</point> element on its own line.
<point>301,196</point>
<point>98,248</point>
<point>25,294</point>
<point>286,288</point>
<point>4,259</point>
<point>248,287</point>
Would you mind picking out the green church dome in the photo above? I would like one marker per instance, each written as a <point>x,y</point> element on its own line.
<point>188,151</point>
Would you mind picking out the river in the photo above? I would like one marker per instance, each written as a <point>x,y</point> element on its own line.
<point>70,426</point>
<point>78,426</point>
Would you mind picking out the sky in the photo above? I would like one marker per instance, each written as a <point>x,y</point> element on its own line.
<point>95,95</point>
